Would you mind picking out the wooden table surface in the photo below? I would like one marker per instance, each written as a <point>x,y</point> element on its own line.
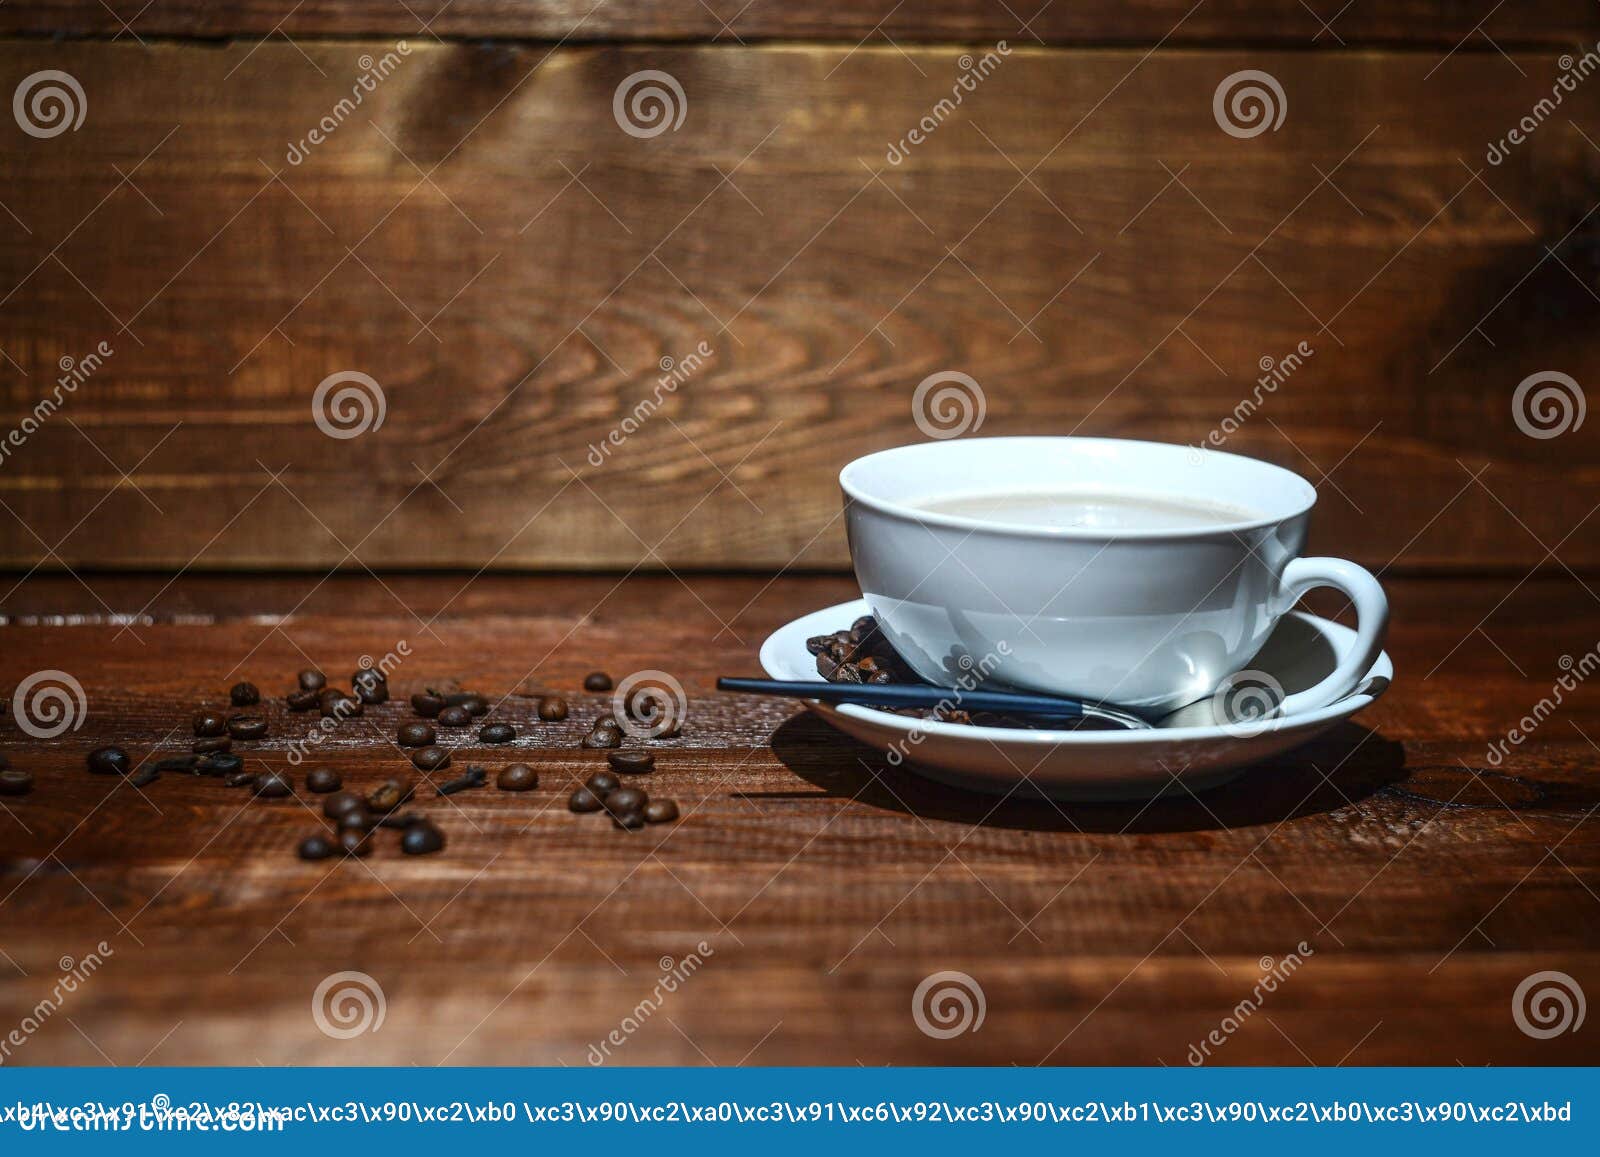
<point>824,886</point>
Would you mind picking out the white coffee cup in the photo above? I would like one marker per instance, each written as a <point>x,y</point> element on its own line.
<point>1150,619</point>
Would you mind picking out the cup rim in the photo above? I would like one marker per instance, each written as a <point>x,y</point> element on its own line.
<point>854,491</point>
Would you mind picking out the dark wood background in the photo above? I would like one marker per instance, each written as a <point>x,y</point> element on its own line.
<point>483,239</point>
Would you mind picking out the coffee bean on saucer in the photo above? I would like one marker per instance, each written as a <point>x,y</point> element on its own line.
<point>244,695</point>
<point>517,777</point>
<point>660,811</point>
<point>15,782</point>
<point>354,842</point>
<point>390,795</point>
<point>584,800</point>
<point>602,783</point>
<point>239,779</point>
<point>602,738</point>
<point>632,762</point>
<point>301,700</point>
<point>323,779</point>
<point>431,758</point>
<point>109,761</point>
<point>208,723</point>
<point>497,733</point>
<point>597,681</point>
<point>631,821</point>
<point>552,709</point>
<point>340,802</point>
<point>317,847</point>
<point>273,785</point>
<point>427,704</point>
<point>455,717</point>
<point>626,799</point>
<point>420,839</point>
<point>212,744</point>
<point>312,680</point>
<point>416,735</point>
<point>247,727</point>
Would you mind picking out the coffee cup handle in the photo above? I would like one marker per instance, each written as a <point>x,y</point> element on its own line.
<point>1372,620</point>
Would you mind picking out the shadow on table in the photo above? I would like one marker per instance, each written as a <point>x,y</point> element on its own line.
<point>1354,761</point>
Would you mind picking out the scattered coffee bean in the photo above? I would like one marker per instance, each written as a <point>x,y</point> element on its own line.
<point>335,704</point>
<point>273,785</point>
<point>301,700</point>
<point>475,704</point>
<point>471,778</point>
<point>497,733</point>
<point>517,777</point>
<point>401,820</point>
<point>606,723</point>
<point>421,839</point>
<point>584,800</point>
<point>597,681</point>
<point>208,723</point>
<point>427,704</point>
<point>109,761</point>
<point>660,811</point>
<point>247,727</point>
<point>178,763</point>
<point>317,847</point>
<point>370,686</point>
<point>358,818</point>
<point>430,758</point>
<point>340,802</point>
<point>630,821</point>
<point>312,680</point>
<point>552,709</point>
<point>355,842</point>
<point>455,717</point>
<point>602,783</point>
<point>390,795</point>
<point>145,776</point>
<point>244,695</point>
<point>323,779</point>
<point>15,782</point>
<point>239,779</point>
<point>212,744</point>
<point>416,735</point>
<point>603,738</point>
<point>626,799</point>
<point>220,763</point>
<point>632,762</point>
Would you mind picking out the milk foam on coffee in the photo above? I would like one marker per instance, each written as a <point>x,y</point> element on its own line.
<point>1111,510</point>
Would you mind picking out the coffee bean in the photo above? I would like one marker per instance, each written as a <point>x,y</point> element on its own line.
<point>178,763</point>
<point>245,695</point>
<point>219,763</point>
<point>421,839</point>
<point>631,821</point>
<point>16,782</point>
<point>212,744</point>
<point>335,704</point>
<point>358,818</point>
<point>390,795</point>
<point>471,778</point>
<point>517,777</point>
<point>370,686</point>
<point>632,762</point>
<point>109,761</point>
<point>239,779</point>
<point>400,820</point>
<point>475,704</point>
<point>427,704</point>
<point>603,738</point>
<point>584,800</point>
<point>597,681</point>
<point>607,723</point>
<point>301,700</point>
<point>317,847</point>
<point>416,735</point>
<point>312,680</point>
<point>145,776</point>
<point>208,723</point>
<point>552,710</point>
<point>455,717</point>
<point>340,802</point>
<point>273,785</point>
<point>355,842</point>
<point>431,758</point>
<point>626,799</point>
<point>247,727</point>
<point>602,783</point>
<point>323,779</point>
<point>368,675</point>
<point>660,811</point>
<point>497,733</point>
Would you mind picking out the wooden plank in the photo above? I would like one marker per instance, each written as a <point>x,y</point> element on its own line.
<point>481,238</point>
<point>825,884</point>
<point>1430,22</point>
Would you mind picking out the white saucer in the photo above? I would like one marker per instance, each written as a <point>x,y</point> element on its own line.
<point>1090,765</point>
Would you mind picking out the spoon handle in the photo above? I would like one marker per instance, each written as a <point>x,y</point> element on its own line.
<point>909,695</point>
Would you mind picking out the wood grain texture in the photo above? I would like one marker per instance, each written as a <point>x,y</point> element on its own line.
<point>1430,22</point>
<point>824,884</point>
<point>482,238</point>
